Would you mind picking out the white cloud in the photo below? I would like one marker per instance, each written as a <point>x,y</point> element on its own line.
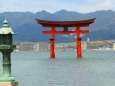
<point>82,6</point>
<point>106,5</point>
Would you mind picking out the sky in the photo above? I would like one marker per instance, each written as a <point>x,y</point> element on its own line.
<point>81,6</point>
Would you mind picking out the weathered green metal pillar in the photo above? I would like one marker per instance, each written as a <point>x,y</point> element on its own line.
<point>6,47</point>
<point>6,66</point>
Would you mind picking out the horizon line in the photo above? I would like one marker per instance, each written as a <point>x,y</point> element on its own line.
<point>57,11</point>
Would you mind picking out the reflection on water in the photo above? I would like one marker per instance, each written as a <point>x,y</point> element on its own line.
<point>97,68</point>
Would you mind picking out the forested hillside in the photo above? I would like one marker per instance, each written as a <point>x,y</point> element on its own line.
<point>27,29</point>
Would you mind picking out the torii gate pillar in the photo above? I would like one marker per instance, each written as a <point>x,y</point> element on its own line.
<point>78,42</point>
<point>78,48</point>
<point>52,53</point>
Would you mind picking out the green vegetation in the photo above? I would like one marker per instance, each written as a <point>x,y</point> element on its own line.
<point>25,25</point>
<point>99,44</point>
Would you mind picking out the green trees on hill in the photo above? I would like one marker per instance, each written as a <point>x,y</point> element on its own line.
<point>25,25</point>
<point>99,44</point>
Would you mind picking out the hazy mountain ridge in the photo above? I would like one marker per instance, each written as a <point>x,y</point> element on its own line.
<point>25,25</point>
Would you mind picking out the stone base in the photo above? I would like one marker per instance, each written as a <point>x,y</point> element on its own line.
<point>9,84</point>
<point>5,83</point>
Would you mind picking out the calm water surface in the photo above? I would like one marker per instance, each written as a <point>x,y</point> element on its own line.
<point>97,68</point>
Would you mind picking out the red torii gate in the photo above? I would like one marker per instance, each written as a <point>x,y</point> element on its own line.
<point>66,24</point>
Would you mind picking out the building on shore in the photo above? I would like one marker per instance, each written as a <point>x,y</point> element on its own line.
<point>69,46</point>
<point>44,46</point>
<point>32,46</point>
<point>113,46</point>
<point>84,46</point>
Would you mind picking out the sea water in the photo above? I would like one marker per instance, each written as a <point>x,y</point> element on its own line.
<point>96,68</point>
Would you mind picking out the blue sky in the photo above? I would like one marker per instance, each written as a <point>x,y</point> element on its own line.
<point>82,6</point>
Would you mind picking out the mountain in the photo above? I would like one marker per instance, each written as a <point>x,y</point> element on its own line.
<point>27,29</point>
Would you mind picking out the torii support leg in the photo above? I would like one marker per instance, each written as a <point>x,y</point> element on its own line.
<point>52,53</point>
<point>78,48</point>
<point>52,42</point>
<point>78,43</point>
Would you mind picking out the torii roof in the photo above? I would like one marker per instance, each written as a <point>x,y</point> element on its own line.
<point>80,23</point>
